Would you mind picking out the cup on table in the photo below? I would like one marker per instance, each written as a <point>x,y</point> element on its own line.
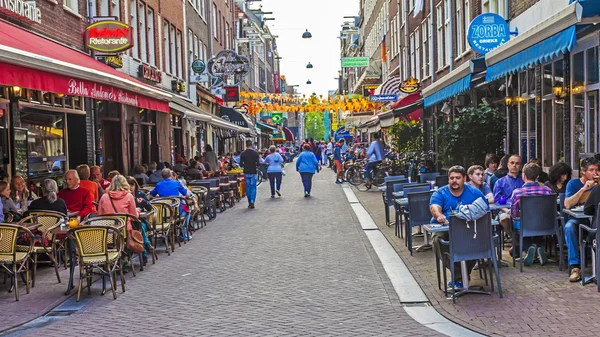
<point>73,222</point>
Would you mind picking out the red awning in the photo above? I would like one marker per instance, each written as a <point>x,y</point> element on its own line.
<point>408,100</point>
<point>30,61</point>
<point>289,136</point>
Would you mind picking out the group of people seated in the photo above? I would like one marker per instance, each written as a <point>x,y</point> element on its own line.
<point>505,182</point>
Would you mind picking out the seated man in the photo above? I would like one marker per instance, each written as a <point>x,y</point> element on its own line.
<point>445,202</point>
<point>504,187</point>
<point>78,200</point>
<point>476,180</point>
<point>169,187</point>
<point>578,191</point>
<point>531,173</point>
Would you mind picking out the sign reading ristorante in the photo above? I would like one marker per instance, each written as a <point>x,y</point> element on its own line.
<point>109,36</point>
<point>21,9</point>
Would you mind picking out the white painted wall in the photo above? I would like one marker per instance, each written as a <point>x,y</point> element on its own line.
<point>536,14</point>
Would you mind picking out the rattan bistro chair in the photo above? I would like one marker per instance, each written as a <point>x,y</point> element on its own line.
<point>162,225</point>
<point>109,220</point>
<point>202,196</point>
<point>173,214</point>
<point>42,223</point>
<point>13,262</point>
<point>95,256</point>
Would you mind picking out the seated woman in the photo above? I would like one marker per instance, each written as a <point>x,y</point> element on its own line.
<point>559,175</point>
<point>19,192</point>
<point>8,205</point>
<point>118,199</point>
<point>50,201</point>
<point>142,204</point>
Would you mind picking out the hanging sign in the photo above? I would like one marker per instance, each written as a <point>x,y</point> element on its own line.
<point>355,62</point>
<point>383,98</point>
<point>487,32</point>
<point>115,61</point>
<point>199,78</point>
<point>21,9</point>
<point>228,66</point>
<point>198,66</point>
<point>149,73</point>
<point>109,36</point>
<point>409,86</point>
<point>232,94</point>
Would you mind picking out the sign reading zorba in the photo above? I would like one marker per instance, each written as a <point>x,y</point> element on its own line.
<point>488,32</point>
<point>109,36</point>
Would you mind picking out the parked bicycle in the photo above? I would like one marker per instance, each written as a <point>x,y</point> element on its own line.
<point>356,173</point>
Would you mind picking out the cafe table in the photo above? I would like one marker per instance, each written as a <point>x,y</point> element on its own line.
<point>60,233</point>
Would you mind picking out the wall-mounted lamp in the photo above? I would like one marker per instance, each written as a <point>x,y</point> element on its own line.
<point>559,91</point>
<point>508,100</point>
<point>577,88</point>
<point>17,91</point>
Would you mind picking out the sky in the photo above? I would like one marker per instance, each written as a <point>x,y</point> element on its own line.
<point>323,19</point>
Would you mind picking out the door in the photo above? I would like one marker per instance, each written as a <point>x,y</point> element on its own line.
<point>112,149</point>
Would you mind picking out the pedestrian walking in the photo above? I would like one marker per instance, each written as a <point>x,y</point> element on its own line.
<point>249,160</point>
<point>307,165</point>
<point>338,159</point>
<point>274,170</point>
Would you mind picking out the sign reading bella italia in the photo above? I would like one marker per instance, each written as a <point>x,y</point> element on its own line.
<point>21,9</point>
<point>109,36</point>
<point>98,91</point>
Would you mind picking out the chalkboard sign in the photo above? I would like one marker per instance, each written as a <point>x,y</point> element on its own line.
<point>21,153</point>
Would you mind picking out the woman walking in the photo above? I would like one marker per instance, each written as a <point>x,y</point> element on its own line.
<point>274,171</point>
<point>307,165</point>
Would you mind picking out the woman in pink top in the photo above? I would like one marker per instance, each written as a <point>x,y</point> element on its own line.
<point>118,199</point>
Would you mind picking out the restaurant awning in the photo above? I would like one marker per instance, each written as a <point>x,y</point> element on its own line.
<point>223,124</point>
<point>455,83</point>
<point>411,106</point>
<point>237,118</point>
<point>266,127</point>
<point>31,61</point>
<point>189,110</point>
<point>549,38</point>
<point>390,87</point>
<point>289,136</point>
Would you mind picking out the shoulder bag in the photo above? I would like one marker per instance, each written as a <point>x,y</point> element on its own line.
<point>135,240</point>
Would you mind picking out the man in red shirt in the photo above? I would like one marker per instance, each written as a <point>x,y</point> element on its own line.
<point>78,200</point>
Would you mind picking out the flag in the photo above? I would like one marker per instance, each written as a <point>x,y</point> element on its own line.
<point>383,49</point>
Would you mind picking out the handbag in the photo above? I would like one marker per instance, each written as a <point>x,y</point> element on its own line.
<point>135,240</point>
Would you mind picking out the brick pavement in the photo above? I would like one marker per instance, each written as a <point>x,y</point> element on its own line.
<point>538,302</point>
<point>293,267</point>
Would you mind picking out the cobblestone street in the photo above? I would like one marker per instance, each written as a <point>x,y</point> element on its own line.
<point>293,267</point>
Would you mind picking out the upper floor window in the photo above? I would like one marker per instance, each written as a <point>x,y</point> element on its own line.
<point>494,6</point>
<point>73,5</point>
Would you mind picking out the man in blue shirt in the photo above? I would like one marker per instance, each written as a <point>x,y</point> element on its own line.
<point>476,180</point>
<point>504,187</point>
<point>375,155</point>
<point>337,159</point>
<point>169,187</point>
<point>444,203</point>
<point>578,191</point>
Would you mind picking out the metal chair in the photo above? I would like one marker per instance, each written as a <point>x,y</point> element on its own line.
<point>418,213</point>
<point>472,241</point>
<point>388,197</point>
<point>13,262</point>
<point>425,177</point>
<point>538,218</point>
<point>162,225</point>
<point>41,223</point>
<point>95,256</point>
<point>202,195</point>
<point>441,181</point>
<point>401,188</point>
<point>585,232</point>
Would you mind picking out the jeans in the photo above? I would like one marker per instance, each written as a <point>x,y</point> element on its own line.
<point>571,233</point>
<point>370,166</point>
<point>144,236</point>
<point>306,181</point>
<point>275,176</point>
<point>251,187</point>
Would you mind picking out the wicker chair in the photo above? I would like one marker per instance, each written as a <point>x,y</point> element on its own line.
<point>174,215</point>
<point>13,262</point>
<point>95,256</point>
<point>162,226</point>
<point>150,232</point>
<point>43,222</point>
<point>202,195</point>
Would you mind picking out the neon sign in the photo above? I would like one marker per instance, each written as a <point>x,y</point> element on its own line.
<point>229,67</point>
<point>109,36</point>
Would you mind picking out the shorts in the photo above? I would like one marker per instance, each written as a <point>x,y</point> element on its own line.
<point>338,166</point>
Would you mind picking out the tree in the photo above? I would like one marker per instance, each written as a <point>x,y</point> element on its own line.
<point>314,125</point>
<point>466,139</point>
<point>407,136</point>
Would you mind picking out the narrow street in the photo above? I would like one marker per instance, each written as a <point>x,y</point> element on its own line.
<point>293,266</point>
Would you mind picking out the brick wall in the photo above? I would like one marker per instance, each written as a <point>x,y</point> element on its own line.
<point>225,11</point>
<point>516,7</point>
<point>58,23</point>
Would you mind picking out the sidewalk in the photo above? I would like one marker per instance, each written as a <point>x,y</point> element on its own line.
<point>538,302</point>
<point>292,266</point>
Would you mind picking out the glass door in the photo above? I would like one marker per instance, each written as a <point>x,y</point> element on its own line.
<point>592,118</point>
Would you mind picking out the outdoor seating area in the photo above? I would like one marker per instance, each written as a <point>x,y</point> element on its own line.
<point>105,247</point>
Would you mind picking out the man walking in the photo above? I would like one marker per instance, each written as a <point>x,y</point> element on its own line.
<point>374,156</point>
<point>337,159</point>
<point>250,160</point>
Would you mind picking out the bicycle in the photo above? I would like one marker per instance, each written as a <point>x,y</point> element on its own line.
<point>356,173</point>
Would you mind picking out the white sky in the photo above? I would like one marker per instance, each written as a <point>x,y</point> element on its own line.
<point>323,18</point>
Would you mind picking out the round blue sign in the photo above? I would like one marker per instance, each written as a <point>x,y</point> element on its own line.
<point>265,100</point>
<point>487,32</point>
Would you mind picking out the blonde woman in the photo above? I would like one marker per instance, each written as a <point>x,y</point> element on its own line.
<point>118,199</point>
<point>19,193</point>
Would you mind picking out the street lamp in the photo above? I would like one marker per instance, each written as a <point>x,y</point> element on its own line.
<point>306,35</point>
<point>309,66</point>
<point>308,82</point>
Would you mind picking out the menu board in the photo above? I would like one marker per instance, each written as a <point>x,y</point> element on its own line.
<point>21,152</point>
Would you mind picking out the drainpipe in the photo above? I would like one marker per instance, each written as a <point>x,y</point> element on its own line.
<point>431,48</point>
<point>399,39</point>
<point>406,64</point>
<point>451,42</point>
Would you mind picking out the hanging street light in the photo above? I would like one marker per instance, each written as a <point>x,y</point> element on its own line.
<point>308,82</point>
<point>309,66</point>
<point>306,35</point>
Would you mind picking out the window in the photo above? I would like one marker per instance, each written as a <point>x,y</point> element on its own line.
<point>412,55</point>
<point>73,5</point>
<point>202,8</point>
<point>494,6</point>
<point>448,32</point>
<point>404,64</point>
<point>110,8</point>
<point>167,46</point>
<point>192,40</point>
<point>134,23</point>
<point>143,32</point>
<point>215,30</point>
<point>104,10</point>
<point>173,49</point>
<point>417,55</point>
<point>430,47</point>
<point>459,28</point>
<point>179,54</point>
<point>467,15</point>
<point>440,36</point>
<point>425,48</point>
<point>220,26</point>
<point>227,36</point>
<point>151,35</point>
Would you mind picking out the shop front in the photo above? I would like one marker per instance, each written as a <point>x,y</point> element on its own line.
<point>53,102</point>
<point>194,125</point>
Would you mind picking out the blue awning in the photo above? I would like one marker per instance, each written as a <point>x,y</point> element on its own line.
<point>266,127</point>
<point>458,87</point>
<point>591,8</point>
<point>539,52</point>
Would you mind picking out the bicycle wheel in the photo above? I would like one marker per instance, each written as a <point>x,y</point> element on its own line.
<point>259,179</point>
<point>378,177</point>
<point>353,176</point>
